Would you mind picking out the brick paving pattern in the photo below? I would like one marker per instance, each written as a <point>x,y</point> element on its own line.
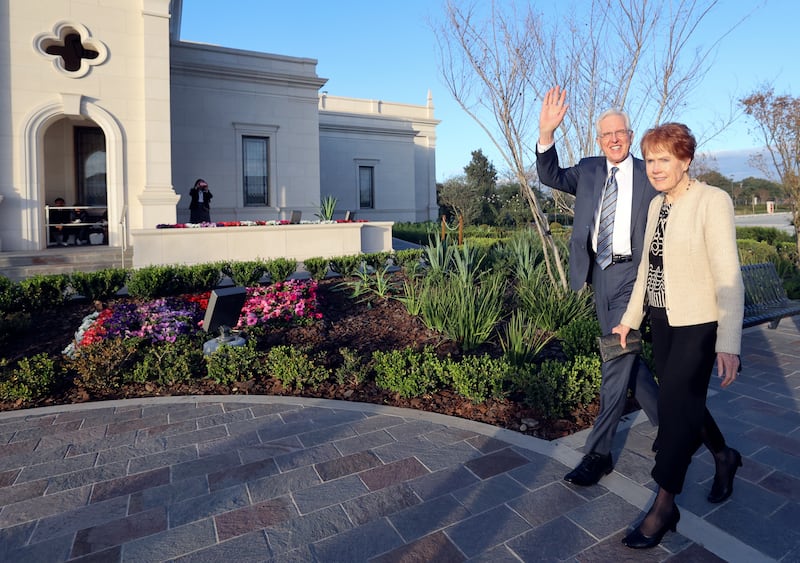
<point>284,479</point>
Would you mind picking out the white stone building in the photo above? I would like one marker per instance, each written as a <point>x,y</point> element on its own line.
<point>101,103</point>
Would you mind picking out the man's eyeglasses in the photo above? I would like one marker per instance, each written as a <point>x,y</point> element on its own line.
<point>617,133</point>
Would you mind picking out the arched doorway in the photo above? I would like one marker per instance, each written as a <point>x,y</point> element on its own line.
<point>50,165</point>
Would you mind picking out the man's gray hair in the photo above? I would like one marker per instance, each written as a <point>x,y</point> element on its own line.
<point>610,112</point>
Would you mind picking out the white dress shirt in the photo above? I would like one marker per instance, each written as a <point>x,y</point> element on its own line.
<point>621,242</point>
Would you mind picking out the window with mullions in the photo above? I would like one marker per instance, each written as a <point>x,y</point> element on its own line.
<point>255,170</point>
<point>366,187</point>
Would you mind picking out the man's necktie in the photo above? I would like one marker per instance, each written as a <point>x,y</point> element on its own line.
<point>605,232</point>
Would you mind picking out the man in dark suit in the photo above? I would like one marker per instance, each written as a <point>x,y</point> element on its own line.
<point>613,280</point>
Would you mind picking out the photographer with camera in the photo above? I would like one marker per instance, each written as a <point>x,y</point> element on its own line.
<point>200,208</point>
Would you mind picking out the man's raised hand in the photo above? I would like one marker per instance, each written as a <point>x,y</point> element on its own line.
<point>554,108</point>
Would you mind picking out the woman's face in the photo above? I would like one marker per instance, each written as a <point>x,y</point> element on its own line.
<point>665,170</point>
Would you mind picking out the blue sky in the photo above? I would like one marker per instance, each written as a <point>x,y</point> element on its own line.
<point>383,50</point>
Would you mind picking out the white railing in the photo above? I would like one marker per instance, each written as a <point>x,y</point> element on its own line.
<point>123,222</point>
<point>98,214</point>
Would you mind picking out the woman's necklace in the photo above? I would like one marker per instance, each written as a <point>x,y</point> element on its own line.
<point>677,191</point>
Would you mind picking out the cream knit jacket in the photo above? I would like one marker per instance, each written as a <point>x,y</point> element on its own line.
<point>702,277</point>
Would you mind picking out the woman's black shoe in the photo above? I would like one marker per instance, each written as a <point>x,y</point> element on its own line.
<point>723,478</point>
<point>637,540</point>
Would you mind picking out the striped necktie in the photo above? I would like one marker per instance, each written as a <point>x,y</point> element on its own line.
<point>605,232</point>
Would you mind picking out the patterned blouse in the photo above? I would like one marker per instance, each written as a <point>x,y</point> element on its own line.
<point>656,296</point>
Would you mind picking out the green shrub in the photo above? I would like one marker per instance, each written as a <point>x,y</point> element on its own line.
<point>579,337</point>
<point>153,281</point>
<point>246,273</point>
<point>756,252</point>
<point>102,284</point>
<point>294,368</point>
<point>347,265</point>
<point>770,235</point>
<point>787,253</point>
<point>478,377</point>
<point>279,269</point>
<point>522,340</point>
<point>10,295</point>
<point>585,379</point>
<point>231,364</point>
<point>317,267</point>
<point>409,260</point>
<point>44,292</point>
<point>33,378</point>
<point>483,245</point>
<point>792,286</point>
<point>352,370</point>
<point>555,388</point>
<point>198,277</point>
<point>407,372</point>
<point>103,365</point>
<point>376,260</point>
<point>168,362</point>
<point>417,233</point>
<point>403,257</point>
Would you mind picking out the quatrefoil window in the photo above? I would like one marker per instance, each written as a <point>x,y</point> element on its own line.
<point>72,49</point>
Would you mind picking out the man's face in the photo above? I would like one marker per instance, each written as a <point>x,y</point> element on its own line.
<point>614,138</point>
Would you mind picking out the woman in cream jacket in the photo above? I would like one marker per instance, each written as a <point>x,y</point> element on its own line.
<point>689,280</point>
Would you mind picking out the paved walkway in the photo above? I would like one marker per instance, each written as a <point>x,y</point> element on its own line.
<point>281,479</point>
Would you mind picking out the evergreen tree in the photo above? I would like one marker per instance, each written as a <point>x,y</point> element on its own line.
<point>481,178</point>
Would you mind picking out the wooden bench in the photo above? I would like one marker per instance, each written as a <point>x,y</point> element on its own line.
<point>765,299</point>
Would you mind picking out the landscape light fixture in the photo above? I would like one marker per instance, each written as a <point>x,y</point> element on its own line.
<point>224,309</point>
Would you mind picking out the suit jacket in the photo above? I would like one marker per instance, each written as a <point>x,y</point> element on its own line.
<point>195,203</point>
<point>703,279</point>
<point>585,181</point>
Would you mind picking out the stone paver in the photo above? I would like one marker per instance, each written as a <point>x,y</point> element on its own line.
<point>278,478</point>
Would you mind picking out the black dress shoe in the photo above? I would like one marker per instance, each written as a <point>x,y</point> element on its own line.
<point>591,468</point>
<point>637,540</point>
<point>723,478</point>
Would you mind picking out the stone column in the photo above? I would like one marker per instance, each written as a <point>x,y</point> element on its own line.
<point>158,199</point>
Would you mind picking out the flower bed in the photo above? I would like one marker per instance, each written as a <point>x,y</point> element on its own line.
<point>215,224</point>
<point>165,319</point>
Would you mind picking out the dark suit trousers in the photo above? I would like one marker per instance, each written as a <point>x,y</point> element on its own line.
<point>612,290</point>
<point>684,358</point>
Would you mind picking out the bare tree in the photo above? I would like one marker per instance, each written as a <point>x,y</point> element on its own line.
<point>777,125</point>
<point>464,199</point>
<point>630,54</point>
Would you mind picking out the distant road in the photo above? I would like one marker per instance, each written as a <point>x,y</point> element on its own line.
<point>777,220</point>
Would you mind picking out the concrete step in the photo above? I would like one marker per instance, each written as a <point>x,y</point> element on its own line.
<point>62,260</point>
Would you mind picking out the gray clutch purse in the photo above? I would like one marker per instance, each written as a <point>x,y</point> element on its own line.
<point>610,347</point>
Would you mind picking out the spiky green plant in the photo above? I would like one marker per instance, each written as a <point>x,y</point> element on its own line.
<point>327,207</point>
<point>522,340</point>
